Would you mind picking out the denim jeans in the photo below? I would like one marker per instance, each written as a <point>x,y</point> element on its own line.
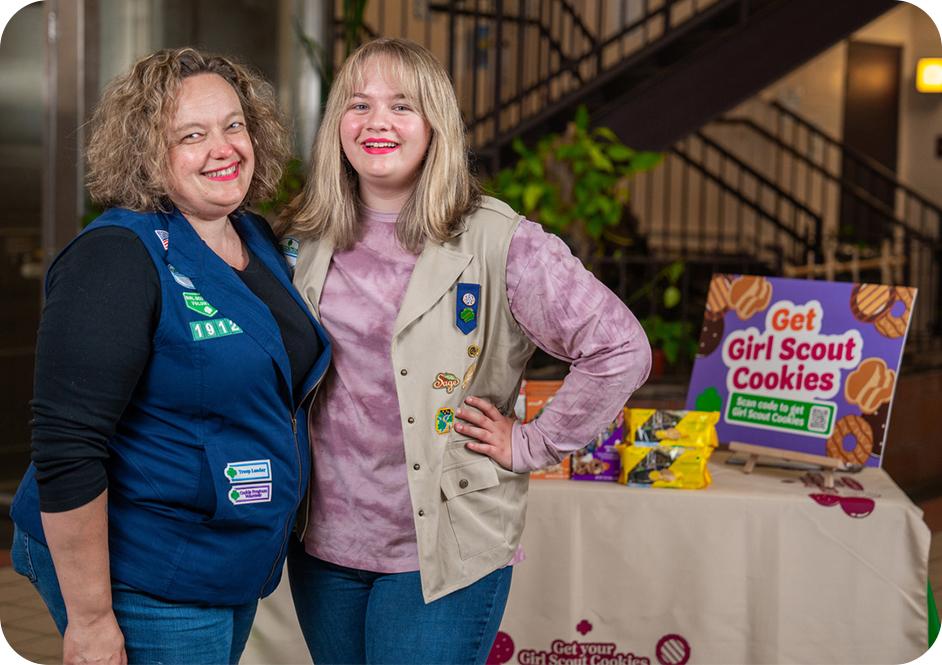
<point>355,616</point>
<point>155,631</point>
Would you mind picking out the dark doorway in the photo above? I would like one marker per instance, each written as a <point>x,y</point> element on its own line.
<point>871,132</point>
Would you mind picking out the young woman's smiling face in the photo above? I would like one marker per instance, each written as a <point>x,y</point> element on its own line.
<point>211,155</point>
<point>384,137</point>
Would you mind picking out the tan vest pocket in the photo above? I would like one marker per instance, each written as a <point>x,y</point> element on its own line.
<point>473,498</point>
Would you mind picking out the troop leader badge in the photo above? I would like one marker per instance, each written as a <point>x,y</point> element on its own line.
<point>466,306</point>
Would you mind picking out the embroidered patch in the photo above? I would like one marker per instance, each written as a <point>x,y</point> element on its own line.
<point>468,375</point>
<point>446,380</point>
<point>196,302</point>
<point>289,248</point>
<point>258,493</point>
<point>466,306</point>
<point>203,330</point>
<point>250,471</point>
<point>164,237</point>
<point>473,351</point>
<point>182,280</point>
<point>444,419</point>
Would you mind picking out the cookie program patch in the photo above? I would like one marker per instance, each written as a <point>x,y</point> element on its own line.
<point>444,419</point>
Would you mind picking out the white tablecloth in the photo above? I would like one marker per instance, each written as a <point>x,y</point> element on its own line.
<point>752,569</point>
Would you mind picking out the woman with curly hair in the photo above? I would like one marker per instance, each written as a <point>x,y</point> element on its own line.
<point>435,298</point>
<point>173,363</point>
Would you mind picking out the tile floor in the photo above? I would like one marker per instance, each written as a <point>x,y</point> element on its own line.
<point>25,621</point>
<point>29,630</point>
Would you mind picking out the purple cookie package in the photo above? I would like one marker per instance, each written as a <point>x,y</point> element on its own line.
<point>599,460</point>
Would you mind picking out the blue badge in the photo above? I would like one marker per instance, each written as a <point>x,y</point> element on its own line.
<point>466,307</point>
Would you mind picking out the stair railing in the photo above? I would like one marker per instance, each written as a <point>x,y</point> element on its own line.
<point>818,170</point>
<point>513,61</point>
<point>704,200</point>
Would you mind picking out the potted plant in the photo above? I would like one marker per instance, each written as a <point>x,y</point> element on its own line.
<point>672,340</point>
<point>574,183</point>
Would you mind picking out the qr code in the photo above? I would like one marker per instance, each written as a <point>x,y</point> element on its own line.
<point>819,419</point>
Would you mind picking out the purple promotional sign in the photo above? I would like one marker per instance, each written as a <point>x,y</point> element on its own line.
<point>801,365</point>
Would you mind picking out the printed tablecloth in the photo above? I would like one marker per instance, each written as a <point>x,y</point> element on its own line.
<point>761,568</point>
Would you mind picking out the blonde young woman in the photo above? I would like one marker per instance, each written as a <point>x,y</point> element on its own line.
<point>173,361</point>
<point>434,297</point>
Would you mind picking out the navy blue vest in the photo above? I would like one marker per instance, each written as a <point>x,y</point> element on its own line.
<point>211,459</point>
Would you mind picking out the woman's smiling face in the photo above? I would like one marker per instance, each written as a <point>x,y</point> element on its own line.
<point>383,136</point>
<point>211,155</point>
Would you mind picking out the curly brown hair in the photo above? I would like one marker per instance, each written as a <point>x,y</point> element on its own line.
<point>128,147</point>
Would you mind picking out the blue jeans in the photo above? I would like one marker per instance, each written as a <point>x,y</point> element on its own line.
<point>155,631</point>
<point>356,616</point>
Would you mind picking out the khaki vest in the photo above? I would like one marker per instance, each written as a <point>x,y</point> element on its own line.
<point>469,512</point>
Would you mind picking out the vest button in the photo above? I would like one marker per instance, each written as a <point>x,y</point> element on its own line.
<point>421,513</point>
<point>411,420</point>
<point>463,483</point>
<point>403,371</point>
<point>416,466</point>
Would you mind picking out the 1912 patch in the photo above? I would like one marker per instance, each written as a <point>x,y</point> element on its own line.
<point>467,304</point>
<point>204,330</point>
<point>444,419</point>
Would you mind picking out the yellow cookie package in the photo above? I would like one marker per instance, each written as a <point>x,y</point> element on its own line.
<point>667,448</point>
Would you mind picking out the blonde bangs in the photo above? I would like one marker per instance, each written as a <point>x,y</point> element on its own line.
<point>445,191</point>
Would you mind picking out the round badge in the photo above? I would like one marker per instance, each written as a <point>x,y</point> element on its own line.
<point>473,351</point>
<point>468,299</point>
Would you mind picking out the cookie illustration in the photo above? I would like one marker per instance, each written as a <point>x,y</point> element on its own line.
<point>718,297</point>
<point>502,650</point>
<point>878,421</point>
<point>860,434</point>
<point>893,323</point>
<point>870,385</point>
<point>868,302</point>
<point>588,466</point>
<point>749,295</point>
<point>711,334</point>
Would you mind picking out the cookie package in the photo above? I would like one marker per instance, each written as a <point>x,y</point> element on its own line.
<point>667,448</point>
<point>600,459</point>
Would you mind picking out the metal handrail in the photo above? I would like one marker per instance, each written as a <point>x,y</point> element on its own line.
<point>858,156</point>
<point>848,186</point>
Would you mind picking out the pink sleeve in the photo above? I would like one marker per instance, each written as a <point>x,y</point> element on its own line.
<point>568,313</point>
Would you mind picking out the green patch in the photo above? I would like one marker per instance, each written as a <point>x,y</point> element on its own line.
<point>197,303</point>
<point>204,330</point>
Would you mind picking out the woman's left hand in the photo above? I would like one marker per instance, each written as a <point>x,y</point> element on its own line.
<point>492,429</point>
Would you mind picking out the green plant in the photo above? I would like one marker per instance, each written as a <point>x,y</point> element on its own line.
<point>675,338</point>
<point>574,183</point>
<point>290,185</point>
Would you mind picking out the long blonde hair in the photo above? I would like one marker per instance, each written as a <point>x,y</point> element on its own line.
<point>445,190</point>
<point>128,164</point>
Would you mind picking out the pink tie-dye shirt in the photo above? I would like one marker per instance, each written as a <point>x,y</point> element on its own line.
<point>361,514</point>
